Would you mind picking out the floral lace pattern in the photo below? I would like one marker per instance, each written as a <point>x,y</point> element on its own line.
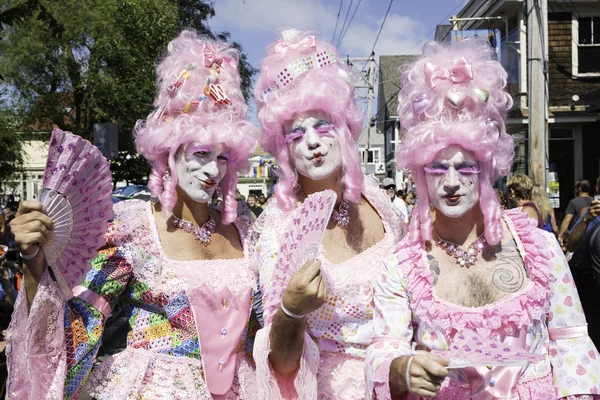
<point>408,310</point>
<point>163,358</point>
<point>339,332</point>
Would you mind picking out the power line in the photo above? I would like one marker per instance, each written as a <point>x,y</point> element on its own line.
<point>349,23</point>
<point>337,20</point>
<point>381,27</point>
<point>347,13</point>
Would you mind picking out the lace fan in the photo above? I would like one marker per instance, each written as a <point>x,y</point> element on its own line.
<point>298,242</point>
<point>76,195</point>
<point>472,350</point>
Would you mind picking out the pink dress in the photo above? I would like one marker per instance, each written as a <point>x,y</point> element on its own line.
<point>544,318</point>
<point>338,333</point>
<point>192,324</point>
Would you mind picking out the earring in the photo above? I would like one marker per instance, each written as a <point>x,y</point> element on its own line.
<point>166,176</point>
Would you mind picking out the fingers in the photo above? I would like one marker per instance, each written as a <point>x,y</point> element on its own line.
<point>312,271</point>
<point>28,206</point>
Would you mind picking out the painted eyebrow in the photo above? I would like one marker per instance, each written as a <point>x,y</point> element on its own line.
<point>199,147</point>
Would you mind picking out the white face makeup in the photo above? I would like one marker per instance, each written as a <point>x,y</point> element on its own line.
<point>453,181</point>
<point>314,147</point>
<point>200,169</point>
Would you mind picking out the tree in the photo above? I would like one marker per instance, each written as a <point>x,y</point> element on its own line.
<point>73,63</point>
<point>11,154</point>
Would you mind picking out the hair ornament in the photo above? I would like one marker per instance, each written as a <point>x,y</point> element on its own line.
<point>183,76</point>
<point>493,123</point>
<point>460,72</point>
<point>419,104</point>
<point>290,42</point>
<point>481,94</point>
<point>455,97</point>
<point>215,61</point>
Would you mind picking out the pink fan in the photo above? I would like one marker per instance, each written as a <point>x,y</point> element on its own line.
<point>76,195</point>
<point>471,350</point>
<point>299,242</point>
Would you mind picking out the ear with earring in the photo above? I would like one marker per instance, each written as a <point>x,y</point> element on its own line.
<point>166,176</point>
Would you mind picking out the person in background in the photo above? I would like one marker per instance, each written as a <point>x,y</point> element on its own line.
<point>501,199</point>
<point>389,185</point>
<point>410,203</point>
<point>2,226</point>
<point>254,207</point>
<point>262,201</point>
<point>540,198</point>
<point>519,189</point>
<point>582,200</point>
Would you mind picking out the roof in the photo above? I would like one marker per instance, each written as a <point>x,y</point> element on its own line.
<point>389,84</point>
<point>442,33</point>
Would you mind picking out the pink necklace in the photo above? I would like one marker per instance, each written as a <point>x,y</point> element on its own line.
<point>341,217</point>
<point>202,233</point>
<point>464,258</point>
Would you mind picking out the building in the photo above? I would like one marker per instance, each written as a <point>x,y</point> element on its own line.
<point>573,73</point>
<point>261,176</point>
<point>387,115</point>
<point>28,184</point>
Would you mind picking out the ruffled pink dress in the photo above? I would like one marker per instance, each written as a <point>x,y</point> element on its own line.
<point>338,333</point>
<point>544,318</point>
<point>192,324</point>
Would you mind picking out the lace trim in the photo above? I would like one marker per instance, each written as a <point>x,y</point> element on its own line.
<point>506,316</point>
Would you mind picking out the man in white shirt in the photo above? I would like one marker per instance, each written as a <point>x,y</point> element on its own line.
<point>389,186</point>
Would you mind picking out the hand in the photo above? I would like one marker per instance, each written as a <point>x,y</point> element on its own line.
<point>426,374</point>
<point>30,226</point>
<point>593,211</point>
<point>306,290</point>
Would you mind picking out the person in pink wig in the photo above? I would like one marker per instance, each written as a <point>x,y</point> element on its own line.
<point>177,267</point>
<point>474,303</point>
<point>316,333</point>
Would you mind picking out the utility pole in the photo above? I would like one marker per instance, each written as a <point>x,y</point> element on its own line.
<point>366,80</point>
<point>537,62</point>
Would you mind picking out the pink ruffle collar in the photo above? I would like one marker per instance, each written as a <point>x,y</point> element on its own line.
<point>506,316</point>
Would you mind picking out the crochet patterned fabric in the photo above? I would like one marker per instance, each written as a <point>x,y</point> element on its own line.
<point>163,358</point>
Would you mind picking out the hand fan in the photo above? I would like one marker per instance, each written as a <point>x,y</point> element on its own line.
<point>76,195</point>
<point>298,241</point>
<point>472,350</point>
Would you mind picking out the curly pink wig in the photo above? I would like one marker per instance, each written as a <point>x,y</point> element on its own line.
<point>183,115</point>
<point>455,96</point>
<point>325,89</point>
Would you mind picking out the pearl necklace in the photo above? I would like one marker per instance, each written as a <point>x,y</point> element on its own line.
<point>464,258</point>
<point>202,233</point>
<point>341,217</point>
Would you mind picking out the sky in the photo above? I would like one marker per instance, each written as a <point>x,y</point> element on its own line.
<point>409,24</point>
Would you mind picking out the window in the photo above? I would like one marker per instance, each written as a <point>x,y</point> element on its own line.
<point>371,156</point>
<point>586,58</point>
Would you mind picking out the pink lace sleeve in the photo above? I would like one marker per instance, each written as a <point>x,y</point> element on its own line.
<point>393,328</point>
<point>575,360</point>
<point>35,345</point>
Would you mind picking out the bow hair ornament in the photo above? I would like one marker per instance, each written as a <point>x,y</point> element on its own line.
<point>212,59</point>
<point>460,72</point>
<point>290,42</point>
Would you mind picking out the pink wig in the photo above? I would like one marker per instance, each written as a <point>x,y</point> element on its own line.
<point>455,96</point>
<point>281,96</point>
<point>185,114</point>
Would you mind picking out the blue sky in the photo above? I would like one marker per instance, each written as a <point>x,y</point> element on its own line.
<point>254,23</point>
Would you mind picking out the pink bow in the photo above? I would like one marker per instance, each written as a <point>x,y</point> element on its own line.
<point>283,46</point>
<point>211,57</point>
<point>460,72</point>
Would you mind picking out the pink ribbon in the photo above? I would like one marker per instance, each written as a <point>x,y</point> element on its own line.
<point>284,46</point>
<point>460,72</point>
<point>211,57</point>
<point>569,332</point>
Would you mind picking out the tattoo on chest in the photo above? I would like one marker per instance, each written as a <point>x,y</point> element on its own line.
<point>508,272</point>
<point>434,267</point>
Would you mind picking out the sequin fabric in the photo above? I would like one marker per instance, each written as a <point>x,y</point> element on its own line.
<point>163,358</point>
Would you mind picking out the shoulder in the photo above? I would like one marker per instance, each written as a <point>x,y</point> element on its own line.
<point>130,220</point>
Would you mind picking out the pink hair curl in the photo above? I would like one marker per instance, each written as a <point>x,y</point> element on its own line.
<point>179,119</point>
<point>325,89</point>
<point>443,102</point>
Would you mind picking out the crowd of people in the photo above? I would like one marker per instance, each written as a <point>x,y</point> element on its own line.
<point>407,292</point>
